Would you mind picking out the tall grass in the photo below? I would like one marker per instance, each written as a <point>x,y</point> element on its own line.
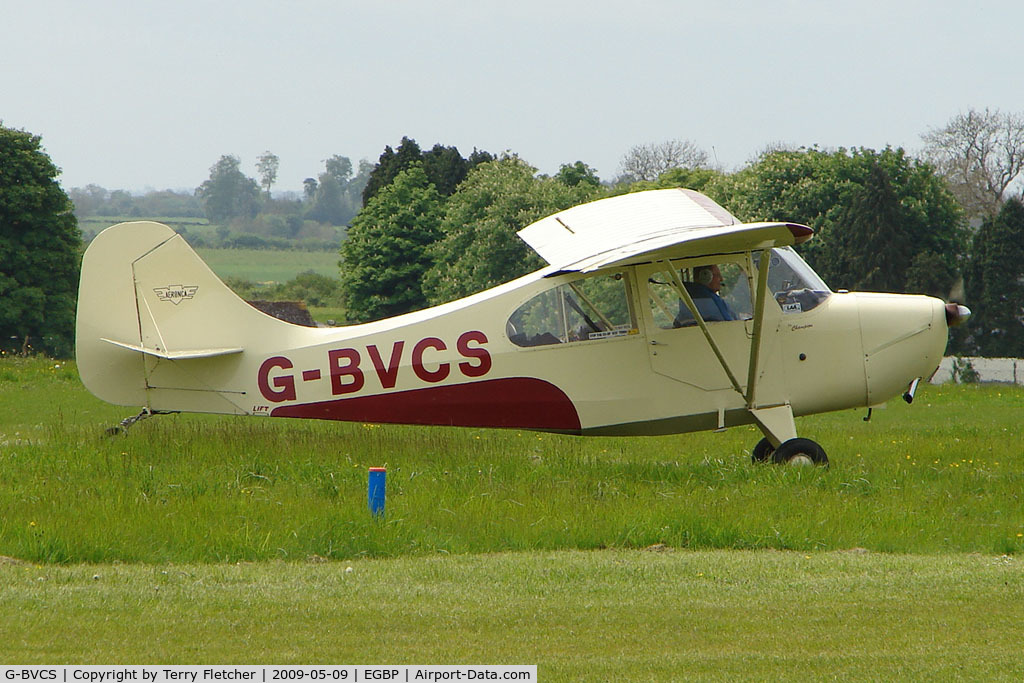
<point>943,475</point>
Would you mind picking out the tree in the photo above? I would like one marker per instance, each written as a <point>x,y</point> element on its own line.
<point>876,214</point>
<point>932,274</point>
<point>863,255</point>
<point>266,166</point>
<point>981,154</point>
<point>228,193</point>
<point>329,205</point>
<point>385,255</point>
<point>359,182</point>
<point>647,162</point>
<point>994,282</point>
<point>121,203</point>
<point>39,248</point>
<point>391,163</point>
<point>572,175</point>
<point>479,247</point>
<point>691,178</point>
<point>309,186</point>
<point>334,197</point>
<point>444,166</point>
<point>340,168</point>
<point>88,200</point>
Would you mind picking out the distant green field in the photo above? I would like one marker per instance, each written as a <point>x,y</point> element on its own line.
<point>268,265</point>
<point>257,265</point>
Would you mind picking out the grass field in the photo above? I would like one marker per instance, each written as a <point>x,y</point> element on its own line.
<point>601,615</point>
<point>943,475</point>
<point>632,558</point>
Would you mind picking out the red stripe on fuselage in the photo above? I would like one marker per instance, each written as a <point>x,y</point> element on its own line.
<point>517,402</point>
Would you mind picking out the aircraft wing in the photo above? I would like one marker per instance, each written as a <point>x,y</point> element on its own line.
<point>651,225</point>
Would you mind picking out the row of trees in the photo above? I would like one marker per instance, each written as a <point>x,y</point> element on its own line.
<point>238,203</point>
<point>437,225</point>
<point>94,200</point>
<point>333,197</point>
<point>337,194</point>
<point>885,220</point>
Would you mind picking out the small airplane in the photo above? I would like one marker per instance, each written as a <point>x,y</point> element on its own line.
<point>659,313</point>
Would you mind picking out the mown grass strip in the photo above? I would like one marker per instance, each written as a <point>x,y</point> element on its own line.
<point>603,615</point>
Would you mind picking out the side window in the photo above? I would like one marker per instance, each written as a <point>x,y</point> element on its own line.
<point>591,308</point>
<point>720,291</point>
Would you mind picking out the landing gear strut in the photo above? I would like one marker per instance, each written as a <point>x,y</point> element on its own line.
<point>776,423</point>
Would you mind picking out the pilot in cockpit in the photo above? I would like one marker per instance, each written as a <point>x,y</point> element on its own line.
<point>705,293</point>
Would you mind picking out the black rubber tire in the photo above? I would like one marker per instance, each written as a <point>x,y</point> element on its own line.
<point>762,451</point>
<point>800,451</point>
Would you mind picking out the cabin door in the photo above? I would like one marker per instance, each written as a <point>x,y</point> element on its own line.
<point>677,347</point>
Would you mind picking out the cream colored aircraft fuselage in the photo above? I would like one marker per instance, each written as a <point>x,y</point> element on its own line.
<point>609,339</point>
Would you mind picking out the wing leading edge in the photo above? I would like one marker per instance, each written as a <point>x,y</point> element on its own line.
<point>650,225</point>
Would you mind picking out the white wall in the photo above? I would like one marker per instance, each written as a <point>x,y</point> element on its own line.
<point>1009,370</point>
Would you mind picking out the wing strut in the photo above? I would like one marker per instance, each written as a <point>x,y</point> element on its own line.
<point>755,341</point>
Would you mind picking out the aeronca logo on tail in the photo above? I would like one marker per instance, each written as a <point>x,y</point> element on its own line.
<point>176,293</point>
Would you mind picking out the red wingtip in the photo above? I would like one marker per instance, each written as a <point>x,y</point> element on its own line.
<point>801,233</point>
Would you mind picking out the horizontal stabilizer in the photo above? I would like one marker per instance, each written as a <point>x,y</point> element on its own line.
<point>175,355</point>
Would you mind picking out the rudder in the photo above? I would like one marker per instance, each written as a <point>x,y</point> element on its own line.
<point>157,328</point>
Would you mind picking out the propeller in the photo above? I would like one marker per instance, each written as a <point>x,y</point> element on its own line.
<point>957,314</point>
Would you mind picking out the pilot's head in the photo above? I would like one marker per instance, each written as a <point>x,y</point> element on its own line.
<point>709,276</point>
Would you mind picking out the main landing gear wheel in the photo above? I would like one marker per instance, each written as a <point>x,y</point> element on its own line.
<point>762,451</point>
<point>799,452</point>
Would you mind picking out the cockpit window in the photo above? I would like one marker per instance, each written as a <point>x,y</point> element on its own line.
<point>720,291</point>
<point>792,282</point>
<point>586,309</point>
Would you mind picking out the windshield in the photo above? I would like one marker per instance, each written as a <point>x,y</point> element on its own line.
<point>791,281</point>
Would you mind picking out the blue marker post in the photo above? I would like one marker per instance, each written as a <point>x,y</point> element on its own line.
<point>376,490</point>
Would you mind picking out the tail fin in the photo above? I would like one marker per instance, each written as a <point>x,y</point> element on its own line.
<point>157,328</point>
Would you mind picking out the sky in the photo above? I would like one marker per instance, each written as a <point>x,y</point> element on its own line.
<point>139,95</point>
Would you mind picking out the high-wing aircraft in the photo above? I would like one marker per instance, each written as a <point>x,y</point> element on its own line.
<point>659,313</point>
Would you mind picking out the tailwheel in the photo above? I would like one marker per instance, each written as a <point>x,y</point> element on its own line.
<point>762,451</point>
<point>800,452</point>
